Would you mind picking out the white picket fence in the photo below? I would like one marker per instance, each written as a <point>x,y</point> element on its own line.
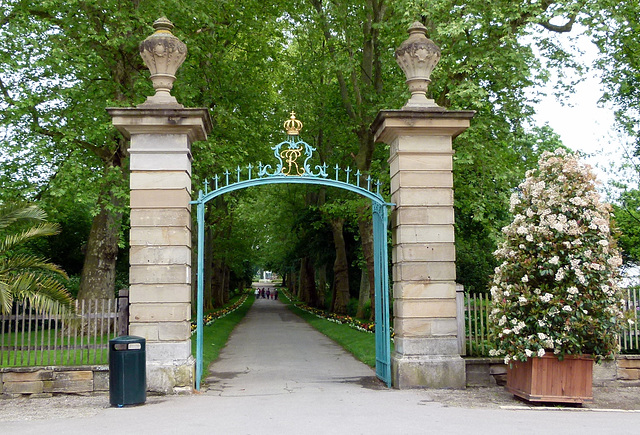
<point>473,321</point>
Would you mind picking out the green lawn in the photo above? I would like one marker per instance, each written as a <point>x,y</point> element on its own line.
<point>21,358</point>
<point>360,344</point>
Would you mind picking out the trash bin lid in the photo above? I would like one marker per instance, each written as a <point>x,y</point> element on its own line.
<point>127,339</point>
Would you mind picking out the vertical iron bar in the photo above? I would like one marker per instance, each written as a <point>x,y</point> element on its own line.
<point>475,319</point>
<point>49,315</point>
<point>55,337</point>
<point>84,316</point>
<point>635,315</point>
<point>43,317</point>
<point>468,328</point>
<point>24,317</point>
<point>200,296</point>
<point>624,332</point>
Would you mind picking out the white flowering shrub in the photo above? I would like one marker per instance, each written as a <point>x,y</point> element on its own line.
<point>555,289</point>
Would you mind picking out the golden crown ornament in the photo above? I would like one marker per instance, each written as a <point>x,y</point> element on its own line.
<point>293,125</point>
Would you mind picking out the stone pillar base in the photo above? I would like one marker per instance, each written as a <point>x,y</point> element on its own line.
<point>171,378</point>
<point>427,371</point>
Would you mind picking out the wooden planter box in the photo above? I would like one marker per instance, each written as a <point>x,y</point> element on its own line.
<point>547,379</point>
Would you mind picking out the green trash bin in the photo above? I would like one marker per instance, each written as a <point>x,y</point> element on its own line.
<point>127,371</point>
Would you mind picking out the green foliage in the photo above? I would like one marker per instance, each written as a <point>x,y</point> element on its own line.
<point>627,218</point>
<point>330,61</point>
<point>614,27</point>
<point>25,276</point>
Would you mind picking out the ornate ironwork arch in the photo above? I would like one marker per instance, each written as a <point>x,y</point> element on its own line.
<point>289,170</point>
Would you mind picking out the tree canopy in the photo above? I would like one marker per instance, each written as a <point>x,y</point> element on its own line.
<point>251,62</point>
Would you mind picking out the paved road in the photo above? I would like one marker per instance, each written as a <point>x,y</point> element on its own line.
<point>279,376</point>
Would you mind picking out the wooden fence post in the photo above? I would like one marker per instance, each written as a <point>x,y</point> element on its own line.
<point>123,312</point>
<point>462,336</point>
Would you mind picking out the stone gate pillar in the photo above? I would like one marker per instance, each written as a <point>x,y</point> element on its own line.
<point>161,132</point>
<point>423,255</point>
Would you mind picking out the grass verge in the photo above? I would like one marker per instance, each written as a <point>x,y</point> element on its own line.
<point>215,336</point>
<point>361,345</point>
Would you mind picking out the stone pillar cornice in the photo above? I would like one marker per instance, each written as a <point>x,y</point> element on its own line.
<point>195,123</point>
<point>389,124</point>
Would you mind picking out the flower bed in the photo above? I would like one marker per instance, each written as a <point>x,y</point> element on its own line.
<point>211,317</point>
<point>341,319</point>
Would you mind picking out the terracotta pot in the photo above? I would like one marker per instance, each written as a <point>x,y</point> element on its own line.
<point>547,379</point>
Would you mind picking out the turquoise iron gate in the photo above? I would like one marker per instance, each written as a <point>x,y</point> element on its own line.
<point>290,171</point>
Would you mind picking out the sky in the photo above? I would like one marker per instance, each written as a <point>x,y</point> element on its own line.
<point>582,122</point>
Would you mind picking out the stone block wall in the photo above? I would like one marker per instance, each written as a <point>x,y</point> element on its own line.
<point>47,381</point>
<point>628,368</point>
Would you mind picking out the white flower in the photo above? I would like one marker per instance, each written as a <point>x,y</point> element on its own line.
<point>554,260</point>
<point>541,353</point>
<point>528,352</point>
<point>525,278</point>
<point>560,275</point>
<point>522,300</point>
<point>566,308</point>
<point>572,290</point>
<point>542,336</point>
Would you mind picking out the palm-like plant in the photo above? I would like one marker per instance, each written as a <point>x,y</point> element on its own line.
<point>23,275</point>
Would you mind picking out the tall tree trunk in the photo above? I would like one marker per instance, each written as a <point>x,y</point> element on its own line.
<point>99,269</point>
<point>364,293</point>
<point>321,273</point>
<point>226,283</point>
<point>340,268</point>
<point>302,289</point>
<point>365,227</point>
<point>308,282</point>
<point>358,95</point>
<point>217,283</point>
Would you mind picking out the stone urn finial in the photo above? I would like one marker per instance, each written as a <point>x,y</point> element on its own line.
<point>418,56</point>
<point>163,54</point>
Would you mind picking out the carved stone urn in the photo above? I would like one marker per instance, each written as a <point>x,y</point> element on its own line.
<point>418,56</point>
<point>163,54</point>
